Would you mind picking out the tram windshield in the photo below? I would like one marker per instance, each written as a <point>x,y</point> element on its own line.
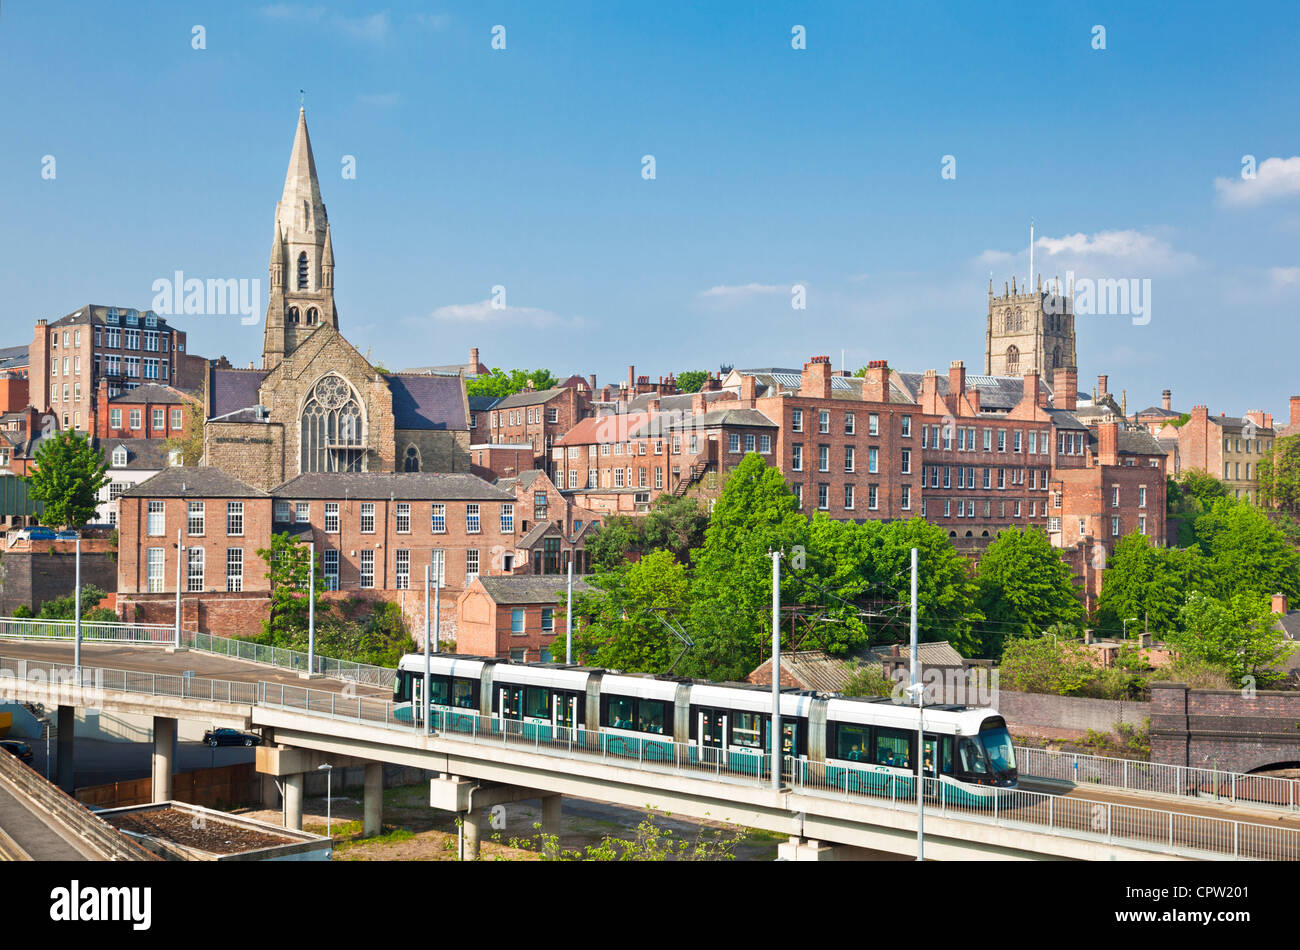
<point>998,749</point>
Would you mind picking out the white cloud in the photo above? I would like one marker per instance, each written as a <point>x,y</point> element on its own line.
<point>1131,252</point>
<point>379,100</point>
<point>730,295</point>
<point>433,21</point>
<point>1283,276</point>
<point>1274,178</point>
<point>484,313</point>
<point>373,28</point>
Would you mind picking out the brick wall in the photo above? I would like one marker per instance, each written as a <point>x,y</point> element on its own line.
<point>32,577</point>
<point>1224,729</point>
<point>1072,713</point>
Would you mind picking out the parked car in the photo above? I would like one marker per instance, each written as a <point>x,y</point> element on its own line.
<point>226,736</point>
<point>18,748</point>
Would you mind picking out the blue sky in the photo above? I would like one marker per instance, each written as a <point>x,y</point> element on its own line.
<point>821,167</point>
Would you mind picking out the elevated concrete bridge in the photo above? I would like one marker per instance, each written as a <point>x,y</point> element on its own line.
<point>334,723</point>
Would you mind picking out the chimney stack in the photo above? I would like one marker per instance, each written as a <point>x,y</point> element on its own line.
<point>875,384</point>
<point>1065,388</point>
<point>591,382</point>
<point>956,379</point>
<point>1108,443</point>
<point>816,380</point>
<point>698,403</point>
<point>1032,390</point>
<point>748,391</point>
<point>930,393</point>
<point>1279,604</point>
<point>1166,400</point>
<point>631,381</point>
<point>473,359</point>
<point>1295,410</point>
<point>1101,385</point>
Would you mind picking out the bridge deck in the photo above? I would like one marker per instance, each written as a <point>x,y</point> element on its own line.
<point>1209,808</point>
<point>152,659</point>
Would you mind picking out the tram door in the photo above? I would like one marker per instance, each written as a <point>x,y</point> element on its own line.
<point>512,707</point>
<point>564,712</point>
<point>930,761</point>
<point>711,736</point>
<point>417,699</point>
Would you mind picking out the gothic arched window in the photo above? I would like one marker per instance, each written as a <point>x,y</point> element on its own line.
<point>1056,357</point>
<point>293,314</point>
<point>412,461</point>
<point>332,427</point>
<point>302,271</point>
<point>1007,324</point>
<point>313,316</point>
<point>1013,360</point>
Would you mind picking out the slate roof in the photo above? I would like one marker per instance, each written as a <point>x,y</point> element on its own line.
<point>234,389</point>
<point>403,486</point>
<point>141,454</point>
<point>1236,422</point>
<point>482,403</point>
<point>525,479</point>
<point>773,380</point>
<point>998,393</point>
<point>428,402</point>
<point>94,313</point>
<point>537,532</point>
<point>726,417</point>
<point>1160,411</point>
<point>14,357</point>
<point>611,427</point>
<point>531,588</point>
<point>680,402</point>
<point>527,398</point>
<point>1137,441</point>
<point>153,393</point>
<point>934,653</point>
<point>202,482</point>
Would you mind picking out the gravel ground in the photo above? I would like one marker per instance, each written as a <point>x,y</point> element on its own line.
<point>212,836</point>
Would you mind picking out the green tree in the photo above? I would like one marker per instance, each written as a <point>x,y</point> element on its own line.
<point>288,565</point>
<point>68,476</point>
<point>1023,587</point>
<point>867,679</point>
<point>674,524</point>
<point>1239,635</point>
<point>619,628</point>
<point>855,566</point>
<point>502,383</point>
<point>1279,475</point>
<point>690,380</point>
<point>1043,665</point>
<point>1148,583</point>
<point>1200,489</point>
<point>1246,551</point>
<point>64,608</point>
<point>190,441</point>
<point>731,592</point>
<point>616,537</point>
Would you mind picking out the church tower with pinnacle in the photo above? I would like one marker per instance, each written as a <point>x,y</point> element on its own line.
<point>302,258</point>
<point>1029,331</point>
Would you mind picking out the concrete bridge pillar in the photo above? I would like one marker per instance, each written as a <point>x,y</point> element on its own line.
<point>374,799</point>
<point>552,810</point>
<point>293,801</point>
<point>66,726</point>
<point>270,794</point>
<point>470,831</point>
<point>164,747</point>
<point>805,849</point>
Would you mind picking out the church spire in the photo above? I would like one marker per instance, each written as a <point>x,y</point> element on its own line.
<point>301,185</point>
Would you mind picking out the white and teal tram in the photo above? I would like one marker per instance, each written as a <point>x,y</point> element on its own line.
<point>867,746</point>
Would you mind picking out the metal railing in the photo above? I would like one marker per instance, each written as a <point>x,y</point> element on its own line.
<point>61,676</point>
<point>30,628</point>
<point>154,634</point>
<point>1144,828</point>
<point>1158,778</point>
<point>282,658</point>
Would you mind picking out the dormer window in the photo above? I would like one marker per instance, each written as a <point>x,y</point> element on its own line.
<point>119,456</point>
<point>175,458</point>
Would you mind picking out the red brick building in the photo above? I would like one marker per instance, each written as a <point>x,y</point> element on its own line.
<point>490,462</point>
<point>125,347</point>
<point>537,419</point>
<point>1227,447</point>
<point>520,618</point>
<point>146,412</point>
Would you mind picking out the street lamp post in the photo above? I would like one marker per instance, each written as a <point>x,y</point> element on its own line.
<point>918,689</point>
<point>311,608</point>
<point>180,556</point>
<point>76,612</point>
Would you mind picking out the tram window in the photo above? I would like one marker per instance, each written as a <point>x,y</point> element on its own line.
<point>402,688</point>
<point>972,758</point>
<point>892,746</point>
<point>462,694</point>
<point>945,755</point>
<point>438,690</point>
<point>537,703</point>
<point>620,712</point>
<point>745,730</point>
<point>853,743</point>
<point>651,716</point>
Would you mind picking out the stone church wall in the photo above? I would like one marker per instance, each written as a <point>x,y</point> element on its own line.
<point>253,452</point>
